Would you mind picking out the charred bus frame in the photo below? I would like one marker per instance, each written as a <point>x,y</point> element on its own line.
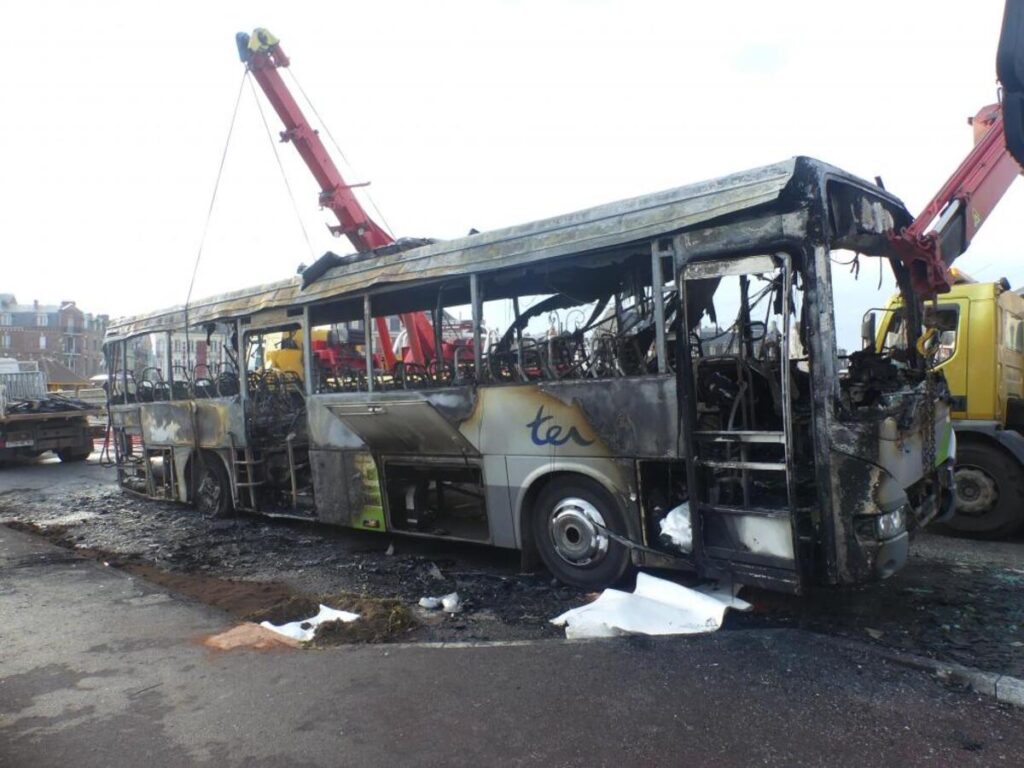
<point>585,446</point>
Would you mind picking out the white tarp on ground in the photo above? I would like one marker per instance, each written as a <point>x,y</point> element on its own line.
<point>655,607</point>
<point>304,630</point>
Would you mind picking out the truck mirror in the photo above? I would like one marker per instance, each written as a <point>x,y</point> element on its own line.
<point>1010,70</point>
<point>867,331</point>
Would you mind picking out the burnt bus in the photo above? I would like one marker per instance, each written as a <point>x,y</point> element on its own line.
<point>652,382</point>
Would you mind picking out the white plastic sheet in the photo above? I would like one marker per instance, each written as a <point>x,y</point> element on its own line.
<point>304,630</point>
<point>676,527</point>
<point>451,603</point>
<point>655,607</point>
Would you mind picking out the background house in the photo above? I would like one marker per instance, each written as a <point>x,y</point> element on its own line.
<point>60,333</point>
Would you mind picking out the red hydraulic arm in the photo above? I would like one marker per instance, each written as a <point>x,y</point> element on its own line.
<point>949,222</point>
<point>262,55</point>
<point>960,207</point>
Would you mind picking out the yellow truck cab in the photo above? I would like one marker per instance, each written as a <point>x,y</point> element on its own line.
<point>979,337</point>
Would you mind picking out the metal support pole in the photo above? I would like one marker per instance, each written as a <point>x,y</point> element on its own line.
<point>657,281</point>
<point>368,345</point>
<point>168,361</point>
<point>124,370</point>
<point>474,299</point>
<point>439,364</point>
<point>519,342</point>
<point>289,444</point>
<point>243,366</point>
<point>307,352</point>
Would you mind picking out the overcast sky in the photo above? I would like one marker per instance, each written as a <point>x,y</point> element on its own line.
<point>462,114</point>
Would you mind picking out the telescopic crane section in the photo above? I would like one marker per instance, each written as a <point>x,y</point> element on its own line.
<point>261,52</point>
<point>946,226</point>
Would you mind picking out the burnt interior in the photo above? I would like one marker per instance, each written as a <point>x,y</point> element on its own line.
<point>604,302</point>
<point>436,499</point>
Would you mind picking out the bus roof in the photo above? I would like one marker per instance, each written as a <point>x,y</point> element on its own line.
<point>602,227</point>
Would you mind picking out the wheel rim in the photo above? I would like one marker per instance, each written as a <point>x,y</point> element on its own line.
<point>209,492</point>
<point>977,492</point>
<point>575,533</point>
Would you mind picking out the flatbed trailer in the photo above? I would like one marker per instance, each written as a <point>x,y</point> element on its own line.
<point>33,421</point>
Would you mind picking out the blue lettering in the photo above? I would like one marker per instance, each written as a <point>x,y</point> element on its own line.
<point>553,433</point>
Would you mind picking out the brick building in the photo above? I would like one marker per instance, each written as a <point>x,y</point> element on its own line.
<point>54,332</point>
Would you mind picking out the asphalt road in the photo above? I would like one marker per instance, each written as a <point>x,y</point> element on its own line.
<point>100,668</point>
<point>956,601</point>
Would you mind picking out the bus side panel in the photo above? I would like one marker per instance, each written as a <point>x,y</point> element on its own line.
<point>609,418</point>
<point>499,503</point>
<point>346,485</point>
<point>171,423</point>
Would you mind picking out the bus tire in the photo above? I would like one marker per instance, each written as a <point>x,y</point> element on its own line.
<point>68,455</point>
<point>212,495</point>
<point>569,543</point>
<point>989,486</point>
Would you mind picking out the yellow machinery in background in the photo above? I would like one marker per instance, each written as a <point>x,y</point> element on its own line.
<point>288,355</point>
<point>980,350</point>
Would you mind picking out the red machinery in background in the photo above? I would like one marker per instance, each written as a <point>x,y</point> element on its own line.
<point>946,226</point>
<point>261,52</point>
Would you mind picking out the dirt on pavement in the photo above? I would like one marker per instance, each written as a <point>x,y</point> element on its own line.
<point>956,600</point>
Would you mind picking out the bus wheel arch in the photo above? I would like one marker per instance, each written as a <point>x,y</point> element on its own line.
<point>988,482</point>
<point>209,484</point>
<point>562,522</point>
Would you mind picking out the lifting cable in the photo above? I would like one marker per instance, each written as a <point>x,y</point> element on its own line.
<point>338,149</point>
<point>280,165</point>
<point>209,214</point>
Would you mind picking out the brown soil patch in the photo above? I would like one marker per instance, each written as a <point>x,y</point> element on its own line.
<point>291,608</point>
<point>240,598</point>
<point>381,620</point>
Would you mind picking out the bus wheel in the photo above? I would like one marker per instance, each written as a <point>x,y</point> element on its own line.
<point>567,521</point>
<point>989,486</point>
<point>67,455</point>
<point>213,489</point>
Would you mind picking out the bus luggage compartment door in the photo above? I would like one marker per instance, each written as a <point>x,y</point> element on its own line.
<point>403,427</point>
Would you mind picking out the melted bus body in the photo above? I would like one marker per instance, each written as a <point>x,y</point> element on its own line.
<point>588,406</point>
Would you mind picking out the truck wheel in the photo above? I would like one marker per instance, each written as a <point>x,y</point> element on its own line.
<point>212,494</point>
<point>68,455</point>
<point>989,488</point>
<point>567,521</point>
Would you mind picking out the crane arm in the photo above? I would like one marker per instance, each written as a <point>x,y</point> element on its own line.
<point>262,55</point>
<point>261,52</point>
<point>948,223</point>
<point>946,226</point>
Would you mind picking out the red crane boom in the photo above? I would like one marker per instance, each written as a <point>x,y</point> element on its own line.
<point>946,226</point>
<point>959,208</point>
<point>261,52</point>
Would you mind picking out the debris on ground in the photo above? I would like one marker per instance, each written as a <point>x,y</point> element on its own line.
<point>304,630</point>
<point>266,561</point>
<point>381,620</point>
<point>655,607</point>
<point>451,603</point>
<point>247,564</point>
<point>251,636</point>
